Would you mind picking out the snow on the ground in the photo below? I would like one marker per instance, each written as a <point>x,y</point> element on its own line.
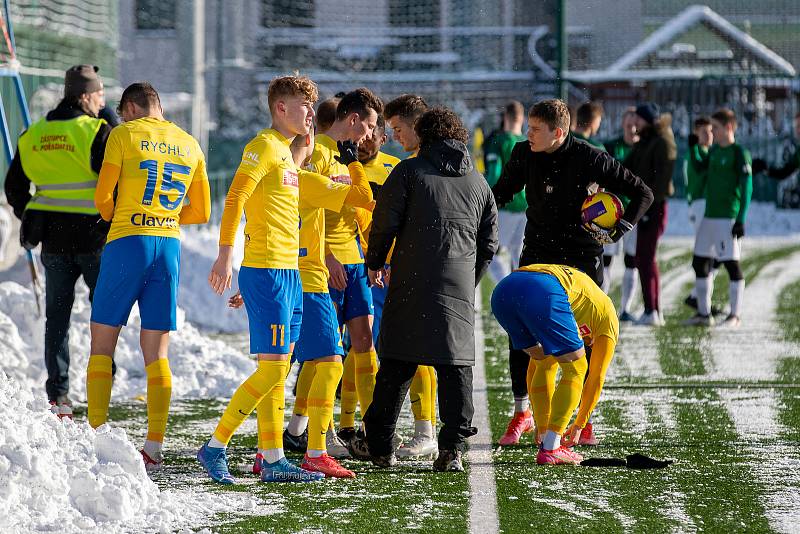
<point>60,476</point>
<point>763,219</point>
<point>201,366</point>
<point>203,307</point>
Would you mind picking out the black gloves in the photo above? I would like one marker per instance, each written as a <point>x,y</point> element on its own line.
<point>606,237</point>
<point>738,229</point>
<point>759,166</point>
<point>348,152</point>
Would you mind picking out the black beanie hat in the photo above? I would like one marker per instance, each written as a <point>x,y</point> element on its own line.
<point>649,112</point>
<point>81,79</point>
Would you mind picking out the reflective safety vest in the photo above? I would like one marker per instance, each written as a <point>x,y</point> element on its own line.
<point>56,157</point>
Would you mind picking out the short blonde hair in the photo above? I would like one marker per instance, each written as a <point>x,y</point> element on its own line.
<point>291,86</point>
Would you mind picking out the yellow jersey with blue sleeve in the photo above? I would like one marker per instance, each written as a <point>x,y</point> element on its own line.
<point>380,167</point>
<point>378,170</point>
<point>158,164</point>
<point>266,187</point>
<point>593,310</point>
<point>341,228</point>
<point>317,194</point>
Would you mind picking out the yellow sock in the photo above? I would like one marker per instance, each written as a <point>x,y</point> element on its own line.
<point>529,377</point>
<point>320,402</point>
<point>159,392</point>
<point>567,394</point>
<point>432,401</point>
<point>263,408</point>
<point>540,389</point>
<point>304,381</point>
<point>268,375</point>
<point>98,388</point>
<point>366,369</point>
<point>347,418</point>
<point>420,394</point>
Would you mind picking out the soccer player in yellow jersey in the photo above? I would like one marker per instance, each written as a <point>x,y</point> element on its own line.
<point>377,165</point>
<point>319,347</point>
<point>401,114</point>
<point>356,117</point>
<point>550,312</point>
<point>154,166</point>
<point>266,187</point>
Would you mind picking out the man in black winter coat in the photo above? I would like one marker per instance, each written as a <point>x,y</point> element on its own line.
<point>558,171</point>
<point>442,216</point>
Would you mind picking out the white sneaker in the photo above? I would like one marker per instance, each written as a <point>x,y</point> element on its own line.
<point>699,320</point>
<point>731,321</point>
<point>650,319</point>
<point>420,446</point>
<point>336,447</point>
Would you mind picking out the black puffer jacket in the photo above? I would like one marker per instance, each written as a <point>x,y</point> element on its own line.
<point>442,214</point>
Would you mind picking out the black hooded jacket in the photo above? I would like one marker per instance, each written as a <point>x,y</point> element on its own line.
<point>556,184</point>
<point>443,216</point>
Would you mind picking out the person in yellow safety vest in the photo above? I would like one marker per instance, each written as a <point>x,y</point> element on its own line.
<point>61,155</point>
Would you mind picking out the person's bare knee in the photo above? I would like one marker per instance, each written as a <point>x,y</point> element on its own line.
<point>537,353</point>
<point>104,338</point>
<point>571,356</point>
<point>155,345</point>
<point>360,333</point>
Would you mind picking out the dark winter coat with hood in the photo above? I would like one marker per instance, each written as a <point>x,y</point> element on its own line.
<point>653,158</point>
<point>443,216</point>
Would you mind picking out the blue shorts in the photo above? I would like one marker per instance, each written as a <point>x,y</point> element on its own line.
<point>143,269</point>
<point>274,302</point>
<point>356,299</point>
<point>533,308</point>
<point>319,334</point>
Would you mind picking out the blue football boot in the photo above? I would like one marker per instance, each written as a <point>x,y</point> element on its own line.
<point>215,462</point>
<point>285,471</point>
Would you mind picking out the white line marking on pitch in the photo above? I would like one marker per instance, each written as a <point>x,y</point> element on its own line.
<point>483,494</point>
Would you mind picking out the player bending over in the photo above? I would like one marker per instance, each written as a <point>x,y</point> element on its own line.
<point>546,310</point>
<point>267,187</point>
<point>153,165</point>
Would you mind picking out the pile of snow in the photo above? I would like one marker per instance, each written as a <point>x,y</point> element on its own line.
<point>65,477</point>
<point>203,307</point>
<point>763,219</point>
<point>202,367</point>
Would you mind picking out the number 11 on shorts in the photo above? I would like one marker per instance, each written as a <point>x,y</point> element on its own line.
<point>277,330</point>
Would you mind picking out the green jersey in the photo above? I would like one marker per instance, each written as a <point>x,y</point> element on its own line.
<point>592,141</point>
<point>497,151</point>
<point>695,182</point>
<point>618,148</point>
<point>726,176</point>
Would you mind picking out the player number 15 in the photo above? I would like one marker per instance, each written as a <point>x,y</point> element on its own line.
<point>167,185</point>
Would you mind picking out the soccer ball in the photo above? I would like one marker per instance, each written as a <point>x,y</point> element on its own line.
<point>602,209</point>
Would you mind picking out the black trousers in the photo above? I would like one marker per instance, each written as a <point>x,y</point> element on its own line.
<point>61,273</point>
<point>518,360</point>
<point>391,386</point>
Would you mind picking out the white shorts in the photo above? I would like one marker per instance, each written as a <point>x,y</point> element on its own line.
<point>697,210</point>
<point>627,245</point>
<point>714,240</point>
<point>511,230</point>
